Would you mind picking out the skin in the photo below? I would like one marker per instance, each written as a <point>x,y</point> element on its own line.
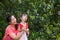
<point>12,35</point>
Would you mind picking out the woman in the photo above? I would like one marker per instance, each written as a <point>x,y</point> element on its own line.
<point>11,33</point>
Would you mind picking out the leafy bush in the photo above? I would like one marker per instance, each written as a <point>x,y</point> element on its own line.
<point>43,17</point>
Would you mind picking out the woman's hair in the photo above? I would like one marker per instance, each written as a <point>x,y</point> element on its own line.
<point>9,18</point>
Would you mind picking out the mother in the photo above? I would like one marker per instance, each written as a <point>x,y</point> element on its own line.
<point>11,33</point>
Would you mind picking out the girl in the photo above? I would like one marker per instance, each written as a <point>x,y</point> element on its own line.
<point>23,26</point>
<point>11,33</point>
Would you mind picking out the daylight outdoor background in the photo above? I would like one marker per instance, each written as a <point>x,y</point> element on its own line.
<point>43,17</point>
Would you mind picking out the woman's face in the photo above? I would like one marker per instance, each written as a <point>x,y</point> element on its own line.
<point>13,20</point>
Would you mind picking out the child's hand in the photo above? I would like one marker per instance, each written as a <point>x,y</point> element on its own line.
<point>24,29</point>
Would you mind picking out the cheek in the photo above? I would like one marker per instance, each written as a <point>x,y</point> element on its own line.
<point>23,18</point>
<point>26,17</point>
<point>14,22</point>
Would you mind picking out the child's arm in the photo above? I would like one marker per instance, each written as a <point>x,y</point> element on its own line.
<point>26,30</point>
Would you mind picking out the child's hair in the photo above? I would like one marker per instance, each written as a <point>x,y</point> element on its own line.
<point>24,14</point>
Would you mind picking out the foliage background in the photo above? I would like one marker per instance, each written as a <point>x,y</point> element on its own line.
<point>43,17</point>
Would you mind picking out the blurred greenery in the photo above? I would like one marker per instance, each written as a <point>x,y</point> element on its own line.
<point>43,17</point>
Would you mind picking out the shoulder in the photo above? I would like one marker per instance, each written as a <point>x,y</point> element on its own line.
<point>8,28</point>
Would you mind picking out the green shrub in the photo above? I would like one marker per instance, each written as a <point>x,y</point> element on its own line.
<point>43,18</point>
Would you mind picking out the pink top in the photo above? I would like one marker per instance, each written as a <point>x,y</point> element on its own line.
<point>24,35</point>
<point>8,31</point>
<point>21,26</point>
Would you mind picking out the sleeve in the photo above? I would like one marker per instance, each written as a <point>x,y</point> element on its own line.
<point>9,31</point>
<point>20,26</point>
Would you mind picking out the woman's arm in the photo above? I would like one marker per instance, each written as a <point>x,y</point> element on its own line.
<point>16,37</point>
<point>19,29</point>
<point>27,31</point>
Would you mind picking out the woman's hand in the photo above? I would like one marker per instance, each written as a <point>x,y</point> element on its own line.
<point>26,30</point>
<point>24,27</point>
<point>19,29</point>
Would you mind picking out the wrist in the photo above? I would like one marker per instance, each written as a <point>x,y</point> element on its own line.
<point>20,31</point>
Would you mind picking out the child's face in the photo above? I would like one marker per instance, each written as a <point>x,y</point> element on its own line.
<point>24,18</point>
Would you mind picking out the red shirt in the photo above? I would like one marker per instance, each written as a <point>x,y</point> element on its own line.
<point>21,26</point>
<point>9,30</point>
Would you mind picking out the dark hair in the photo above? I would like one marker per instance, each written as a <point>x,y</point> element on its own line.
<point>23,14</point>
<point>9,18</point>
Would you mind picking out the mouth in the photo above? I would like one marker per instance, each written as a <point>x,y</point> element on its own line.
<point>15,22</point>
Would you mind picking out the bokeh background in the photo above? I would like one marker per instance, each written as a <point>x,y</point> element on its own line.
<point>43,17</point>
